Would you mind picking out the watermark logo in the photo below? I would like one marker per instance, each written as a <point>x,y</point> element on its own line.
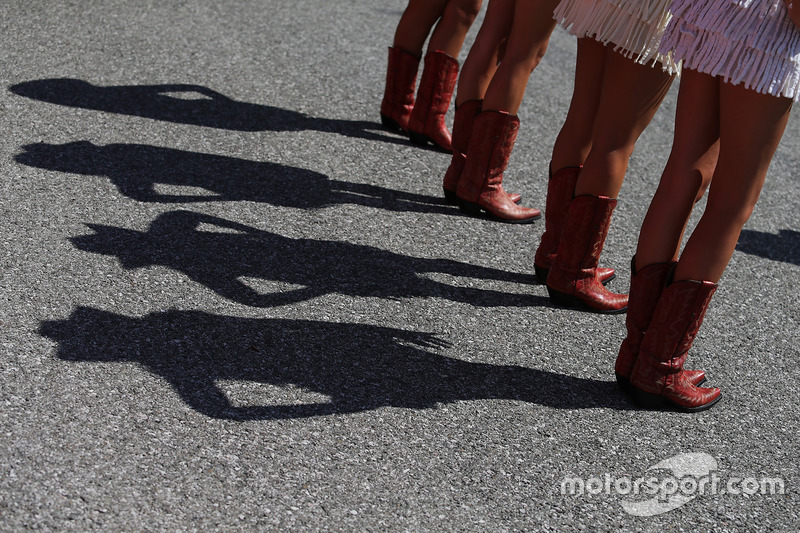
<point>670,484</point>
<point>679,487</point>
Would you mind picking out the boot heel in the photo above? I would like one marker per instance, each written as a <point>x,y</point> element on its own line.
<point>450,196</point>
<point>648,400</point>
<point>541,274</point>
<point>564,299</point>
<point>624,383</point>
<point>389,123</point>
<point>418,138</point>
<point>470,208</point>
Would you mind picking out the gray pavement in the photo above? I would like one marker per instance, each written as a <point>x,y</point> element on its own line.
<point>230,301</point>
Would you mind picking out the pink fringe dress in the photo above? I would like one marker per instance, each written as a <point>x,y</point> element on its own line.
<point>744,41</point>
<point>633,27</point>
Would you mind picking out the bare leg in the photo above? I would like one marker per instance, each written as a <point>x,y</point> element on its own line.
<point>452,28</point>
<point>486,51</point>
<point>527,43</point>
<point>751,126</point>
<point>575,138</point>
<point>630,95</point>
<point>416,23</point>
<point>688,171</point>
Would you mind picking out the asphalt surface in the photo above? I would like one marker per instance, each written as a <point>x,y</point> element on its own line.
<point>230,301</point>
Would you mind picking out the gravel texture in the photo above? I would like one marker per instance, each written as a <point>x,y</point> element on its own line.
<point>230,301</point>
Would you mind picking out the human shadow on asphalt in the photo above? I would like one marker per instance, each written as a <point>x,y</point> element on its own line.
<point>237,261</point>
<point>784,247</point>
<point>190,104</point>
<point>139,170</point>
<point>260,369</point>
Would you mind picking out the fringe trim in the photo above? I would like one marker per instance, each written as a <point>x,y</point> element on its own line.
<point>750,42</point>
<point>634,27</point>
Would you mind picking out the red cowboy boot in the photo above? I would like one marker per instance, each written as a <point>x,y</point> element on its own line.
<point>398,97</point>
<point>560,191</point>
<point>572,280</point>
<point>646,287</point>
<point>462,131</point>
<point>656,377</point>
<point>481,184</point>
<point>433,100</point>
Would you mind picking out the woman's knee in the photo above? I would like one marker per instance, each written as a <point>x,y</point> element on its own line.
<point>731,205</point>
<point>705,181</point>
<point>682,185</point>
<point>692,168</point>
<point>467,9</point>
<point>728,215</point>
